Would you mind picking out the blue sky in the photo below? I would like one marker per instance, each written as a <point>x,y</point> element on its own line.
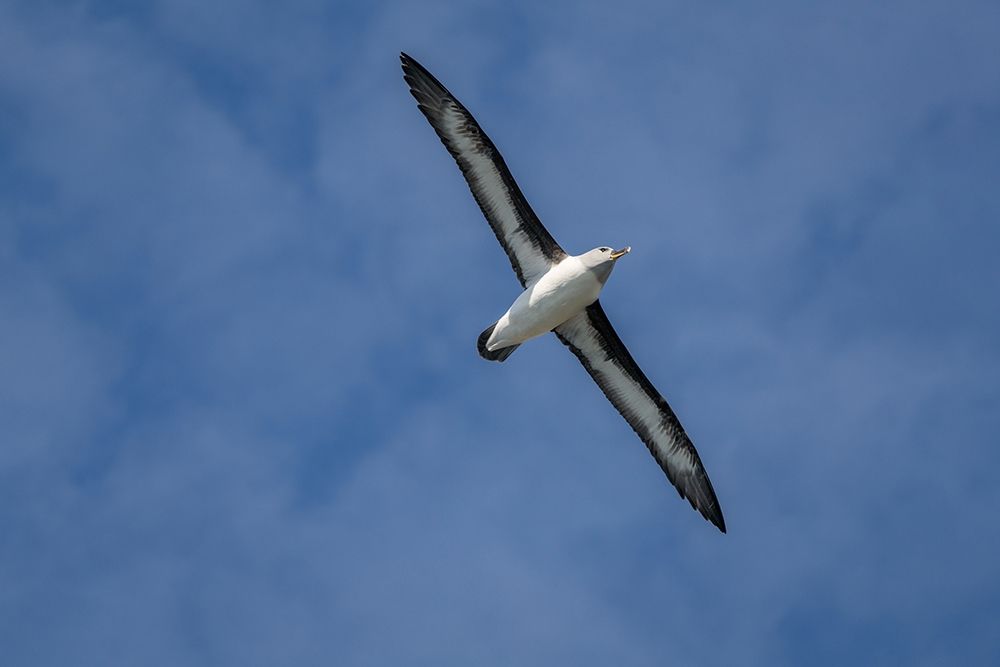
<point>242,419</point>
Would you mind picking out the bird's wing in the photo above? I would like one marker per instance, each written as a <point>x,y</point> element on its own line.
<point>593,340</point>
<point>530,247</point>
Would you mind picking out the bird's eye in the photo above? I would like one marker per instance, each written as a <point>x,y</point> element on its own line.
<point>605,249</point>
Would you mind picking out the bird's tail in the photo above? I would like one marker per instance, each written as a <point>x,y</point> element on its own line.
<point>495,355</point>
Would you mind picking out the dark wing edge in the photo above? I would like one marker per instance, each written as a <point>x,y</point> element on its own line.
<point>595,343</point>
<point>529,246</point>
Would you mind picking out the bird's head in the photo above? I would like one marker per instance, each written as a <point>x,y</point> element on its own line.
<point>602,260</point>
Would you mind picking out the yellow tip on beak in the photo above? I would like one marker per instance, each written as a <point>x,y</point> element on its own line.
<point>619,253</point>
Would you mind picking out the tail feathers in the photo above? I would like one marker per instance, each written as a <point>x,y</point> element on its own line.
<point>495,355</point>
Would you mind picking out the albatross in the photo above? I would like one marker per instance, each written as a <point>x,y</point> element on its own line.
<point>560,293</point>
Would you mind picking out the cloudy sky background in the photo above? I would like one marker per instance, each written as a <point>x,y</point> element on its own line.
<point>242,420</point>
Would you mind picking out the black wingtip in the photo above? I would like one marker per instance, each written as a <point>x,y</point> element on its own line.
<point>709,507</point>
<point>718,521</point>
<point>410,64</point>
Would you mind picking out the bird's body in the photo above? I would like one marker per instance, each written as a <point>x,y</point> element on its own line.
<point>560,293</point>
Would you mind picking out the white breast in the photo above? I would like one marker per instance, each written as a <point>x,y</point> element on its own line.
<point>562,292</point>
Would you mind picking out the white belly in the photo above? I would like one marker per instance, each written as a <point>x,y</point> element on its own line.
<point>565,290</point>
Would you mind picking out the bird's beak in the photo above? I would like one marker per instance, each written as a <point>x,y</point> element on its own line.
<point>619,253</point>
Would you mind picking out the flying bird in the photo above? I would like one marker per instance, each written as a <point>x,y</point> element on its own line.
<point>560,293</point>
